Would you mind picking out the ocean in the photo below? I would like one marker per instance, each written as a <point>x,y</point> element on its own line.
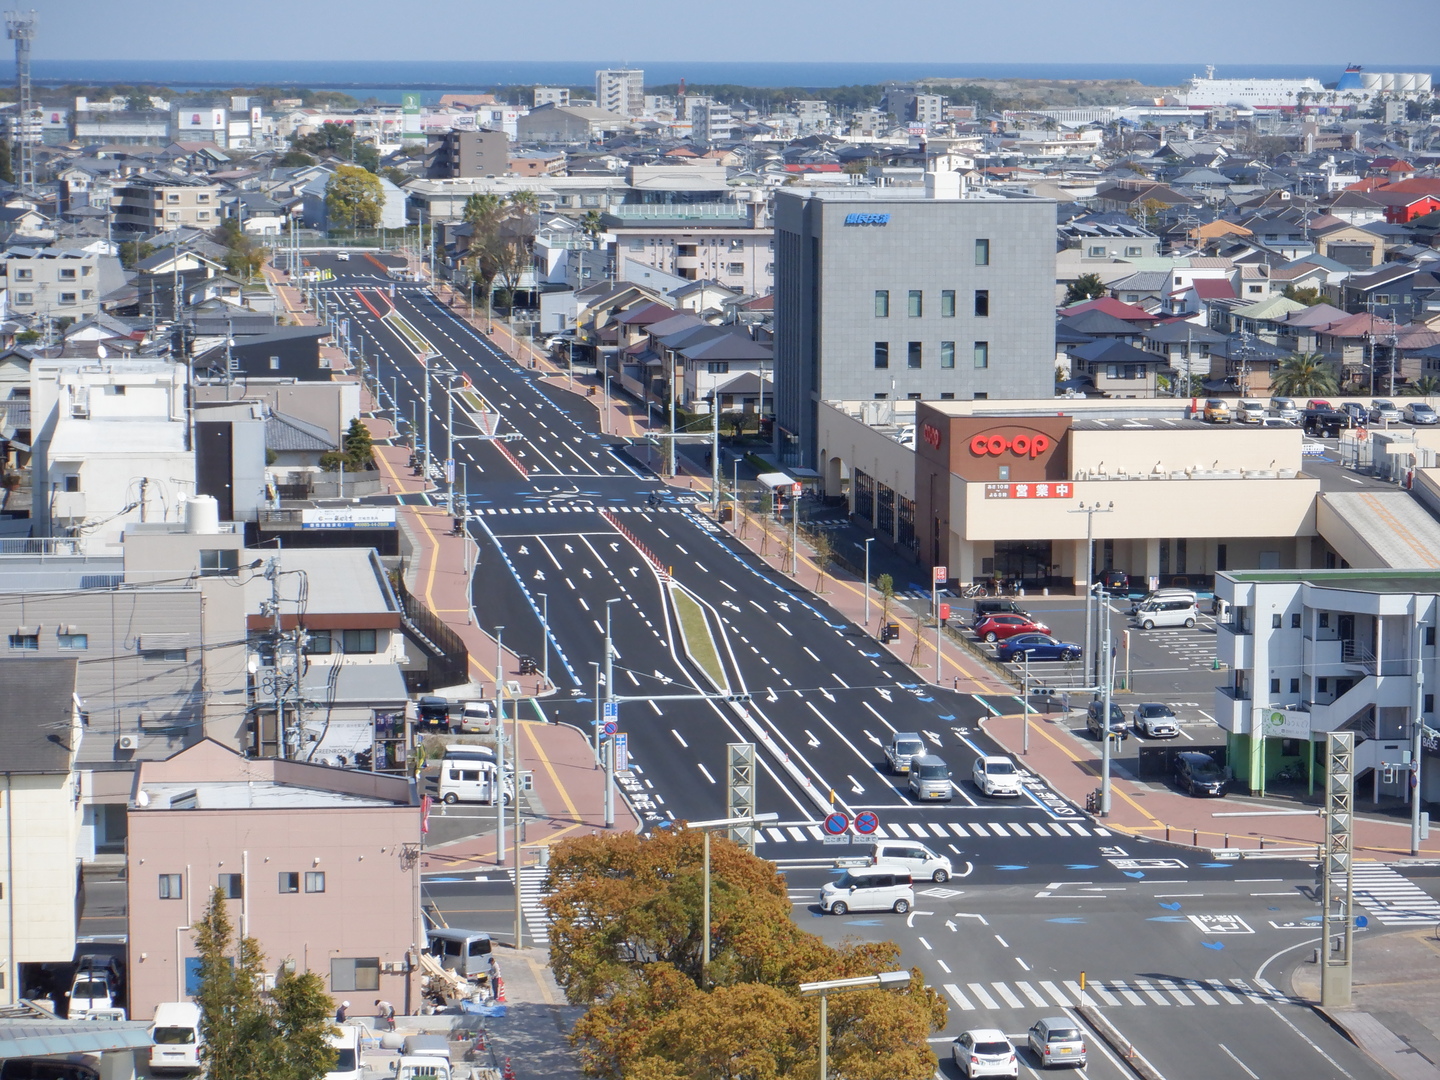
<point>387,79</point>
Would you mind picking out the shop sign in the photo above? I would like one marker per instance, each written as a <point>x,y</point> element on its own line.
<point>867,219</point>
<point>1042,490</point>
<point>931,434</point>
<point>1283,723</point>
<point>1031,446</point>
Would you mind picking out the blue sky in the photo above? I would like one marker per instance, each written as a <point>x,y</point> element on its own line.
<point>1381,34</point>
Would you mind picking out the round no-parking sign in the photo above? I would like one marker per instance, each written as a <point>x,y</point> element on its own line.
<point>837,823</point>
<point>866,822</point>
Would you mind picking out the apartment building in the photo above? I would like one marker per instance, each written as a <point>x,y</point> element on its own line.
<point>153,202</point>
<point>1313,651</point>
<point>620,90</point>
<point>712,122</point>
<point>58,284</point>
<point>551,95</point>
<point>726,251</point>
<point>926,293</point>
<point>466,153</point>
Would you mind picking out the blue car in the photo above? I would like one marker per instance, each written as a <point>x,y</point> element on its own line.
<point>1037,647</point>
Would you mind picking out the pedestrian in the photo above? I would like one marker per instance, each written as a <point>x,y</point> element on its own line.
<point>342,1012</point>
<point>386,1012</point>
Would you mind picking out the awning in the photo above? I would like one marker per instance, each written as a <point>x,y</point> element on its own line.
<point>41,1038</point>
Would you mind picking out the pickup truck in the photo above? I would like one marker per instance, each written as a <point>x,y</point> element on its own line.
<point>903,746</point>
<point>1328,421</point>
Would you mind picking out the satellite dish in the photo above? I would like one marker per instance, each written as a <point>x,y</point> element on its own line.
<point>101,351</point>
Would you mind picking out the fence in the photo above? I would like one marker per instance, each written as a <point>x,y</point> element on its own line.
<point>449,662</point>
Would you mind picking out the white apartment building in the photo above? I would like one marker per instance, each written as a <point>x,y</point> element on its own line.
<point>712,122</point>
<point>58,284</point>
<point>1313,651</point>
<point>620,90</point>
<point>730,253</point>
<point>552,95</point>
<point>111,447</point>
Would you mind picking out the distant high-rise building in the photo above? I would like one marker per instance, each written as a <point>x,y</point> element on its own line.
<point>621,91</point>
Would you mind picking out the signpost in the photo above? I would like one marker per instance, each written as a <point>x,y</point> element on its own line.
<point>836,823</point>
<point>866,822</point>
<point>938,576</point>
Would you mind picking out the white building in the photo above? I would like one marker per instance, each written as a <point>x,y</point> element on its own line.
<point>620,91</point>
<point>712,122</point>
<point>1313,651</point>
<point>552,95</point>
<point>111,446</point>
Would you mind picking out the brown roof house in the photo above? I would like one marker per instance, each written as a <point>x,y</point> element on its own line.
<point>318,864</point>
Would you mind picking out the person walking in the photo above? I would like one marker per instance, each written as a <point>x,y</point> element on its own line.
<point>386,1012</point>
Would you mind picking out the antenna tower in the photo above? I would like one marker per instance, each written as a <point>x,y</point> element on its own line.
<point>20,28</point>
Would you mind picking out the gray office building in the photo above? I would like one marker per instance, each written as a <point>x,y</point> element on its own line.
<point>930,293</point>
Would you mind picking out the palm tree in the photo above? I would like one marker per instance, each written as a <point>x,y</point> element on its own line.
<point>1425,386</point>
<point>593,223</point>
<point>1304,375</point>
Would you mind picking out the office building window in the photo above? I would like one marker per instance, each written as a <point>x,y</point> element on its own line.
<point>916,304</point>
<point>232,886</point>
<point>171,887</point>
<point>289,882</point>
<point>1133,252</point>
<point>1429,703</point>
<point>28,642</point>
<point>947,397</point>
<point>358,641</point>
<point>912,355</point>
<point>74,641</point>
<point>882,354</point>
<point>947,303</point>
<point>219,562</point>
<point>982,354</point>
<point>1295,621</point>
<point>982,252</point>
<point>947,354</point>
<point>320,643</point>
<point>354,973</point>
<point>882,303</point>
<point>1275,621</point>
<point>982,303</point>
<point>1274,686</point>
<point>314,881</point>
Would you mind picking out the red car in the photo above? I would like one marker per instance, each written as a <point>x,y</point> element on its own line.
<point>1003,626</point>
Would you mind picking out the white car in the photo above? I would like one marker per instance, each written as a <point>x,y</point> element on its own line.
<point>985,1052</point>
<point>342,256</point>
<point>1249,412</point>
<point>995,775</point>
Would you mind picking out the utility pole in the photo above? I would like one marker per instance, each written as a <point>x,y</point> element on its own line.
<point>425,363</point>
<point>519,851</point>
<point>795,530</point>
<point>1105,704</point>
<point>500,746</point>
<point>715,454</point>
<point>545,636</point>
<point>607,712</point>
<point>1090,512</point>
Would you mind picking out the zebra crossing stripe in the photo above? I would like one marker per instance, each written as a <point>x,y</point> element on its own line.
<point>937,830</point>
<point>1169,987</point>
<point>1195,988</point>
<point>958,829</point>
<point>1038,829</point>
<point>1018,829</point>
<point>998,829</point>
<point>960,999</point>
<point>1219,988</point>
<point>1080,995</point>
<point>1272,990</point>
<point>1393,898</point>
<point>1153,995</point>
<point>793,831</point>
<point>1035,999</point>
<point>1078,829</point>
<point>1100,992</point>
<point>979,991</point>
<point>919,830</point>
<point>1006,993</point>
<point>814,830</point>
<point>774,834</point>
<point>1058,829</point>
<point>1054,991</point>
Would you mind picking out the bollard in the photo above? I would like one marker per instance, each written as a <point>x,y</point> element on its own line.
<point>1082,980</point>
<point>1167,832</point>
<point>1195,838</point>
<point>1227,839</point>
<point>1262,843</point>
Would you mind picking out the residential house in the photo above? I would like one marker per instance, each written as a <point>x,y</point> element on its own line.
<point>568,125</point>
<point>1349,244</point>
<point>1391,290</point>
<point>49,284</point>
<point>711,365</point>
<point>1184,346</point>
<point>1117,369</point>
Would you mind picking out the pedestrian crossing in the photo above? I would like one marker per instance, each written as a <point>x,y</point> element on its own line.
<point>1392,898</point>
<point>1157,992</point>
<point>497,511</point>
<point>532,893</point>
<point>1194,648</point>
<point>935,830</point>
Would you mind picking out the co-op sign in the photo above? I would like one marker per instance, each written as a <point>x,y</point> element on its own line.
<point>990,444</point>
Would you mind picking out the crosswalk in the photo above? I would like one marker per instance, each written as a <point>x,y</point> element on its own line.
<point>496,511</point>
<point>949,830</point>
<point>1169,992</point>
<point>1393,899</point>
<point>532,893</point>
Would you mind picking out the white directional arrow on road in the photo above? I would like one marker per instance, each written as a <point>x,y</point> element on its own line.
<point>614,547</point>
<point>569,550</point>
<point>730,604</point>
<point>950,925</point>
<point>855,787</point>
<point>634,571</point>
<point>524,549</point>
<point>884,693</point>
<point>933,737</point>
<point>828,696</point>
<point>871,737</point>
<point>782,606</point>
<point>814,742</point>
<point>586,571</point>
<point>539,575</point>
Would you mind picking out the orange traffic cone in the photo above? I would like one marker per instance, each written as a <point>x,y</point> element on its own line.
<point>499,990</point>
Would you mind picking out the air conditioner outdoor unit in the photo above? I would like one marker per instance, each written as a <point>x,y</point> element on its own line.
<point>129,742</point>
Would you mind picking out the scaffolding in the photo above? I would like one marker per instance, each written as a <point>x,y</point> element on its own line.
<point>20,27</point>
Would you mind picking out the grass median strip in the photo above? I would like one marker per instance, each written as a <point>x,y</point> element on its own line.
<point>699,642</point>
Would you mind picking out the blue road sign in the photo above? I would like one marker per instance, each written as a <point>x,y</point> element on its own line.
<point>611,710</point>
<point>610,727</point>
<point>866,822</point>
<point>837,823</point>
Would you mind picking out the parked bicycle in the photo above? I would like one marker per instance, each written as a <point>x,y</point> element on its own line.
<point>974,590</point>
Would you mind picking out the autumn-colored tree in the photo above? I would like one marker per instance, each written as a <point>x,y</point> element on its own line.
<point>354,198</point>
<point>627,937</point>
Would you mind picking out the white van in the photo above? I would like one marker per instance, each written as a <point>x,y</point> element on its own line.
<point>882,887</point>
<point>915,856</point>
<point>468,774</point>
<point>346,1040</point>
<point>1166,594</point>
<point>1178,611</point>
<point>176,1034</point>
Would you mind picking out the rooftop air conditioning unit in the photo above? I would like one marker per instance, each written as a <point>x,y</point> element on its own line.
<point>128,742</point>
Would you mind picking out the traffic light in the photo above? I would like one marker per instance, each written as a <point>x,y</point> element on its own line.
<point>738,698</point>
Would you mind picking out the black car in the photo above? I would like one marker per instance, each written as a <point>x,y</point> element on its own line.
<point>1096,710</point>
<point>985,608</point>
<point>1114,581</point>
<point>1198,774</point>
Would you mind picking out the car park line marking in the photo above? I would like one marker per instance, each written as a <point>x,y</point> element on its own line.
<point>960,998</point>
<point>1035,999</point>
<point>924,942</point>
<point>978,990</point>
<point>1003,943</point>
<point>1022,963</point>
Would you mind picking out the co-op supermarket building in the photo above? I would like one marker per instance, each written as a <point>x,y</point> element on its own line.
<point>995,489</point>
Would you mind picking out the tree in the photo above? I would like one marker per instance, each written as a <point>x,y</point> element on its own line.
<point>354,197</point>
<point>138,101</point>
<point>243,255</point>
<point>823,549</point>
<point>1085,287</point>
<point>1309,296</point>
<point>247,1035</point>
<point>1425,386</point>
<point>331,140</point>
<point>135,251</point>
<point>593,223</point>
<point>358,446</point>
<point>296,159</point>
<point>1304,375</point>
<point>7,164</point>
<point>1148,212</point>
<point>885,586</point>
<point>627,935</point>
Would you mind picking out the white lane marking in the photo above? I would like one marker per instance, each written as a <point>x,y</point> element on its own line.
<point>809,653</point>
<point>1001,940</point>
<point>678,739</point>
<point>1054,991</point>
<point>1231,1054</point>
<point>979,991</point>
<point>705,771</point>
<point>1035,999</point>
<point>1009,996</point>
<point>1313,1045</point>
<point>960,998</point>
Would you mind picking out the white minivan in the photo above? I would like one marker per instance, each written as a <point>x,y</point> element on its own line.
<point>345,1040</point>
<point>176,1034</point>
<point>1176,611</point>
<point>915,856</point>
<point>882,887</point>
<point>469,774</point>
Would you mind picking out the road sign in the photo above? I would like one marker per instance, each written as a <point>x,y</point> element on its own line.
<point>797,488</point>
<point>866,822</point>
<point>837,823</point>
<point>622,752</point>
<point>942,575</point>
<point>450,470</point>
<point>612,710</point>
<point>610,727</point>
<point>843,838</point>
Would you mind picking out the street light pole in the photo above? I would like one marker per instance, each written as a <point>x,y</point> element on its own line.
<point>822,990</point>
<point>1105,704</point>
<point>545,636</point>
<point>425,363</point>
<point>705,827</point>
<point>868,541</point>
<point>609,739</point>
<point>500,746</point>
<point>1090,512</point>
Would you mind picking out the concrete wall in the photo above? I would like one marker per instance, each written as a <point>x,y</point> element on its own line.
<point>331,405</point>
<point>40,820</point>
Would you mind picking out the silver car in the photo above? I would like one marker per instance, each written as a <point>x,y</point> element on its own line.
<point>1420,414</point>
<point>1057,1041</point>
<point>1382,411</point>
<point>1155,721</point>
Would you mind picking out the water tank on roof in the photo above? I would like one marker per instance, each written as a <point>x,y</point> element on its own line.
<point>202,515</point>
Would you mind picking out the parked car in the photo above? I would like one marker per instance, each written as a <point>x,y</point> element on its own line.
<point>1419,413</point>
<point>996,775</point>
<point>985,1052</point>
<point>1285,408</point>
<point>1199,774</point>
<point>915,856</point>
<point>1167,611</point>
<point>1095,710</point>
<point>1056,1040</point>
<point>1383,411</point>
<point>1319,403</point>
<point>1172,593</point>
<point>1115,581</point>
<point>1155,720</point>
<point>1006,626</point>
<point>985,608</point>
<point>1216,411</point>
<point>1358,414</point>
<point>1036,647</point>
<point>1249,412</point>
<point>1278,421</point>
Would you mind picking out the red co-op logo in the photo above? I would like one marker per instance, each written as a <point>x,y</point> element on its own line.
<point>931,435</point>
<point>1031,446</point>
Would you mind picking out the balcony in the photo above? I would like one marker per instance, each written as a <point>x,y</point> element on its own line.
<point>1232,711</point>
<point>1234,647</point>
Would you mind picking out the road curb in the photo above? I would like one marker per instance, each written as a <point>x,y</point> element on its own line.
<point>1133,1059</point>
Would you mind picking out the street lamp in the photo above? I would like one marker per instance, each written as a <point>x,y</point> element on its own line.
<point>1090,512</point>
<point>705,827</point>
<point>609,739</point>
<point>868,541</point>
<point>545,636</point>
<point>823,990</point>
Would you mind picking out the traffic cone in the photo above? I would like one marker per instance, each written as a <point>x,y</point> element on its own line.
<point>499,990</point>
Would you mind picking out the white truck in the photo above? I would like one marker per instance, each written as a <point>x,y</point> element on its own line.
<point>176,1034</point>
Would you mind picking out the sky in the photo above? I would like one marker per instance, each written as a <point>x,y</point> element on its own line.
<point>1381,34</point>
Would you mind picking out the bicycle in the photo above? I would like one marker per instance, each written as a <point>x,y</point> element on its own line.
<point>974,590</point>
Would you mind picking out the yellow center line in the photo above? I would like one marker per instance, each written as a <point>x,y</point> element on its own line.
<point>1090,768</point>
<point>549,768</point>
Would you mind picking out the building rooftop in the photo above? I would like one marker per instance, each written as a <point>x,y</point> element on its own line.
<point>1369,581</point>
<point>247,795</point>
